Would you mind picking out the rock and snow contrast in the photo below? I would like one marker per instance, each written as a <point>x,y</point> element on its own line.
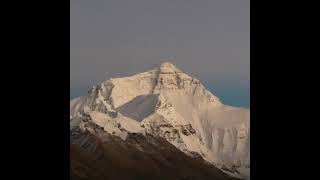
<point>167,103</point>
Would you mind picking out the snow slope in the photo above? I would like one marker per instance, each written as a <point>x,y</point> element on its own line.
<point>168,103</point>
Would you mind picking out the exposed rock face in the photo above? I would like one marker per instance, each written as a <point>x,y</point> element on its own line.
<point>167,103</point>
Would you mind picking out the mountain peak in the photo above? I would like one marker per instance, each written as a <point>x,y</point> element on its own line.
<point>168,64</point>
<point>168,103</point>
<point>167,67</point>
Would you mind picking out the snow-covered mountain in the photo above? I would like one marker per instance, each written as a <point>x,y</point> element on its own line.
<point>165,102</point>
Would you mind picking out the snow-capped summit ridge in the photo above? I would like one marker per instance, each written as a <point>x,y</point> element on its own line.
<point>166,77</point>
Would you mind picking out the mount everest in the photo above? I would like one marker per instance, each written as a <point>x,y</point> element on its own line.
<point>164,103</point>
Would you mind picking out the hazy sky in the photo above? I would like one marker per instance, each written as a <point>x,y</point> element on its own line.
<point>208,39</point>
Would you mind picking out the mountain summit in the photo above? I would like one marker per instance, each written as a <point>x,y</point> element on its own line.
<point>167,67</point>
<point>168,103</point>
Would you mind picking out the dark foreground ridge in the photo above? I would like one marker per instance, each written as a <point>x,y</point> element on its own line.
<point>101,156</point>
